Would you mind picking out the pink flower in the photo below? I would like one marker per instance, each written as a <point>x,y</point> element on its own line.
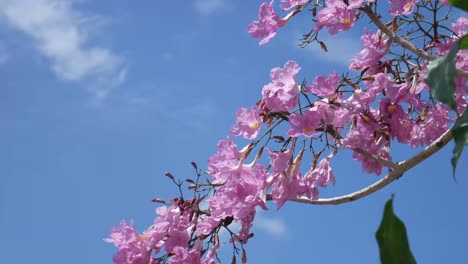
<point>325,86</point>
<point>286,185</point>
<point>288,4</point>
<point>248,123</point>
<point>400,123</point>
<point>433,126</point>
<point>304,124</point>
<point>362,136</point>
<point>267,24</point>
<point>282,94</point>
<point>224,161</point>
<point>237,198</point>
<point>336,16</point>
<point>401,7</point>
<point>184,256</point>
<point>374,49</point>
<point>280,160</point>
<point>133,248</point>
<point>322,174</point>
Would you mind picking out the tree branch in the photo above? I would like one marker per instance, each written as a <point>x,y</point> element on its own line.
<point>403,42</point>
<point>396,173</point>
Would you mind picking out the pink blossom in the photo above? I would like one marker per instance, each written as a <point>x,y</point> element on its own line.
<point>374,49</point>
<point>285,186</point>
<point>248,123</point>
<point>431,127</point>
<point>282,94</point>
<point>325,86</point>
<point>362,136</point>
<point>336,16</point>
<point>133,248</point>
<point>288,4</point>
<point>370,165</point>
<point>322,174</point>
<point>400,123</point>
<point>305,124</point>
<point>460,26</point>
<point>267,24</point>
<point>184,256</point>
<point>401,7</point>
<point>224,161</point>
<point>280,160</point>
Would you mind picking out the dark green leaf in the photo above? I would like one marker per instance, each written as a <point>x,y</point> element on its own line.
<point>392,239</point>
<point>460,136</point>
<point>462,4</point>
<point>464,41</point>
<point>440,77</point>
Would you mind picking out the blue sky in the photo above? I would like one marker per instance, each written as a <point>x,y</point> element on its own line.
<point>100,98</point>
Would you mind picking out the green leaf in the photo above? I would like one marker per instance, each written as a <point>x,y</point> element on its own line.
<point>440,77</point>
<point>460,136</point>
<point>462,4</point>
<point>392,239</point>
<point>464,42</point>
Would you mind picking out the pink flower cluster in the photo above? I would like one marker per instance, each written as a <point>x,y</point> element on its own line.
<point>170,233</point>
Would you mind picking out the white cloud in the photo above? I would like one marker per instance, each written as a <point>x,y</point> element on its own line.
<point>274,227</point>
<point>61,34</point>
<point>341,48</point>
<point>208,7</point>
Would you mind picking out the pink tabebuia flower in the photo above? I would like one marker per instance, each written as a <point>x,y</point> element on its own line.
<point>282,94</point>
<point>290,184</point>
<point>401,7</point>
<point>133,248</point>
<point>322,174</point>
<point>248,123</point>
<point>184,256</point>
<point>374,49</point>
<point>400,123</point>
<point>337,16</point>
<point>224,161</point>
<point>362,136</point>
<point>267,24</point>
<point>280,160</point>
<point>237,198</point>
<point>305,124</point>
<point>286,186</point>
<point>325,86</point>
<point>288,4</point>
<point>433,126</point>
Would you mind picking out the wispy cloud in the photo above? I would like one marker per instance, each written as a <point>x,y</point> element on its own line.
<point>208,7</point>
<point>273,226</point>
<point>61,34</point>
<point>341,48</point>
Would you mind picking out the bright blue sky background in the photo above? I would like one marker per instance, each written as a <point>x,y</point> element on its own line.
<point>99,98</point>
